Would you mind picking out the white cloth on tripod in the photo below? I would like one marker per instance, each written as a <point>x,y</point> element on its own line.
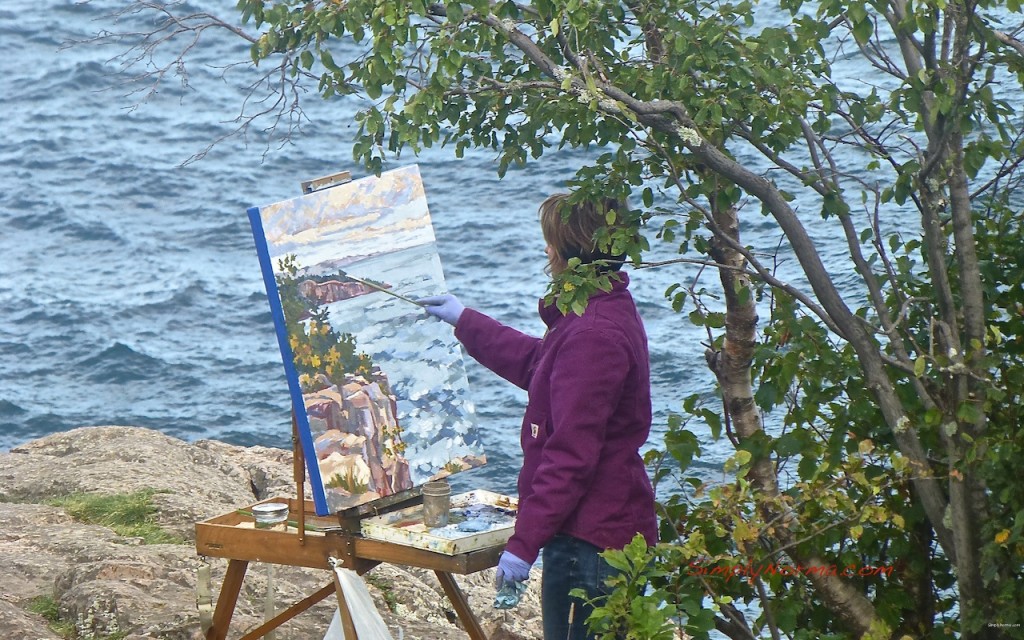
<point>368,623</point>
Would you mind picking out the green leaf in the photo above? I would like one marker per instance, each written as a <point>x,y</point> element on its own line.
<point>328,61</point>
<point>969,412</point>
<point>617,560</point>
<point>790,444</point>
<point>455,12</point>
<point>919,366</point>
<point>714,423</point>
<point>682,445</point>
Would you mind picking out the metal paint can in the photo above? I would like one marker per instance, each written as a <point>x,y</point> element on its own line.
<point>436,503</point>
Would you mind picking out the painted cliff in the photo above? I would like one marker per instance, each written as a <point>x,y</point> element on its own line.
<point>358,440</point>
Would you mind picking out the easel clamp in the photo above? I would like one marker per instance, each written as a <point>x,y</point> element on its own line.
<point>332,180</point>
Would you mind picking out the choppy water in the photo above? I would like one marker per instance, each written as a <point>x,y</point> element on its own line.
<point>130,291</point>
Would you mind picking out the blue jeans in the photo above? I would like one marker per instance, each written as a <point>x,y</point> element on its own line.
<point>570,563</point>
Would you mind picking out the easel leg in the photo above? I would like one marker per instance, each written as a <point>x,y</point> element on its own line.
<point>458,600</point>
<point>227,600</point>
<point>347,625</point>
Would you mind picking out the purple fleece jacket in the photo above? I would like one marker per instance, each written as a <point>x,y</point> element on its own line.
<point>588,414</point>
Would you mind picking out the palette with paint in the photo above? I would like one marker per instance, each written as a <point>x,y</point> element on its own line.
<point>478,520</point>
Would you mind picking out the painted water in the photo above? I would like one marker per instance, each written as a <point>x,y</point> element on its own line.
<point>419,355</point>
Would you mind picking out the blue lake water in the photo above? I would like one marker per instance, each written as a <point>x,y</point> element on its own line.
<point>130,292</point>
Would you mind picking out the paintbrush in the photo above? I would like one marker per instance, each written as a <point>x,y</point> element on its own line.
<point>382,289</point>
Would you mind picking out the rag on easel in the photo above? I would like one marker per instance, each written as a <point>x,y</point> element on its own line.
<point>368,623</point>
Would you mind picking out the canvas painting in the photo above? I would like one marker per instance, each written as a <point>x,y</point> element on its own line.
<point>379,388</point>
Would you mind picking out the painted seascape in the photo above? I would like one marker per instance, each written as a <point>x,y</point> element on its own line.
<point>384,400</point>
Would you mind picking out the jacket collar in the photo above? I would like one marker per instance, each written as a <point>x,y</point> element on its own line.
<point>550,314</point>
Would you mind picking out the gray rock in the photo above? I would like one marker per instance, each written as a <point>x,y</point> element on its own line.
<point>15,622</point>
<point>107,584</point>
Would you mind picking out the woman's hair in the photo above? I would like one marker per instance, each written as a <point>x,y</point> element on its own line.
<point>569,229</point>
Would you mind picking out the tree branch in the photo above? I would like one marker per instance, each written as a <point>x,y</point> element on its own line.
<point>1009,41</point>
<point>182,34</point>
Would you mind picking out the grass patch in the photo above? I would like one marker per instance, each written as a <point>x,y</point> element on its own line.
<point>46,607</point>
<point>387,590</point>
<point>127,514</point>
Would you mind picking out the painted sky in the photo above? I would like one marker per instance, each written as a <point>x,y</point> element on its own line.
<point>351,220</point>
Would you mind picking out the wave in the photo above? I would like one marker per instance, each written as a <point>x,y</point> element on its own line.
<point>89,231</point>
<point>44,424</point>
<point>9,409</point>
<point>120,364</point>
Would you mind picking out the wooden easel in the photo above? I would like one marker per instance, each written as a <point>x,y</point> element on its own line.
<point>331,542</point>
<point>326,542</point>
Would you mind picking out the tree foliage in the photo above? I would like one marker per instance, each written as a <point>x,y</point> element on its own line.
<point>872,399</point>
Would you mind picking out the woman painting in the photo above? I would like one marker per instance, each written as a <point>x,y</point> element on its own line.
<point>583,487</point>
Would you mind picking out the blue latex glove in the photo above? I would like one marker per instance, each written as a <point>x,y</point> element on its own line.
<point>446,307</point>
<point>511,569</point>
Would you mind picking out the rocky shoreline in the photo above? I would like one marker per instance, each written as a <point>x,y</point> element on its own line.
<point>105,586</point>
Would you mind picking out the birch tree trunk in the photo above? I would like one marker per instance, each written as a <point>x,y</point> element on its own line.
<point>732,367</point>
